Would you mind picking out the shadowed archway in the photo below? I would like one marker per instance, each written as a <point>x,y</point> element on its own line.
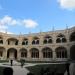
<point>12,53</point>
<point>34,53</point>
<point>72,52</point>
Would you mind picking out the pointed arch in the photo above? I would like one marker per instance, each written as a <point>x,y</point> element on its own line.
<point>61,52</point>
<point>61,38</point>
<point>47,39</point>
<point>72,36</point>
<point>12,53</point>
<point>47,52</point>
<point>23,52</point>
<point>35,40</point>
<point>34,53</point>
<point>72,52</point>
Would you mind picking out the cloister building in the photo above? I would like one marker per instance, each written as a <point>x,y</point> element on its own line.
<point>56,45</point>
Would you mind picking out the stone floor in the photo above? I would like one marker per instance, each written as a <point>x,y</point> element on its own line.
<point>17,70</point>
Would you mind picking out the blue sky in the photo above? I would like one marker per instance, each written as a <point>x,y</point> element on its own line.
<point>36,15</point>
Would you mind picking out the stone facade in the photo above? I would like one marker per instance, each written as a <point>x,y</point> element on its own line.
<point>56,45</point>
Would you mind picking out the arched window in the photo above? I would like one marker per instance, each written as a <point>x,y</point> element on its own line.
<point>34,53</point>
<point>72,37</point>
<point>35,41</point>
<point>1,40</point>
<point>12,53</point>
<point>47,40</point>
<point>23,53</point>
<point>12,41</point>
<point>61,39</point>
<point>61,52</point>
<point>2,49</point>
<point>25,42</point>
<point>47,52</point>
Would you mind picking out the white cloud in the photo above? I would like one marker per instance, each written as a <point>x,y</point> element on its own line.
<point>7,20</point>
<point>67,4</point>
<point>29,23</point>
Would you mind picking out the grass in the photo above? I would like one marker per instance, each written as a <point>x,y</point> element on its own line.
<point>49,67</point>
<point>3,61</point>
<point>42,61</point>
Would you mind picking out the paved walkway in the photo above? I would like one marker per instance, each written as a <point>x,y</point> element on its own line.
<point>17,70</point>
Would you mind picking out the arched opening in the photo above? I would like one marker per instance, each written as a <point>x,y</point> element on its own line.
<point>72,52</point>
<point>12,53</point>
<point>61,52</point>
<point>12,41</point>
<point>47,52</point>
<point>2,51</point>
<point>35,41</point>
<point>25,41</point>
<point>34,53</point>
<point>1,40</point>
<point>23,52</point>
<point>72,37</point>
<point>61,39</point>
<point>47,39</point>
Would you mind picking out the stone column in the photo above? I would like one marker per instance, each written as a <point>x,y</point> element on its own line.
<point>28,55</point>
<point>40,55</point>
<point>54,54</point>
<point>68,52</point>
<point>5,54</point>
<point>18,55</point>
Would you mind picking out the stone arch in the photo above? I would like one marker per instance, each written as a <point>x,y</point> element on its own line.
<point>12,53</point>
<point>2,50</point>
<point>34,53</point>
<point>47,39</point>
<point>47,52</point>
<point>72,52</point>
<point>61,38</point>
<point>25,41</point>
<point>23,53</point>
<point>35,40</point>
<point>72,36</point>
<point>1,39</point>
<point>61,52</point>
<point>12,41</point>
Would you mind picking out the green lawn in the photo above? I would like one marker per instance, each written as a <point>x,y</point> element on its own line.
<point>47,67</point>
<point>3,61</point>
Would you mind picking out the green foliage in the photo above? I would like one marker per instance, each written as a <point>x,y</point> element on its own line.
<point>39,69</point>
<point>3,61</point>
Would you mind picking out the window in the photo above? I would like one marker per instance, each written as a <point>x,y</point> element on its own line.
<point>25,42</point>
<point>72,37</point>
<point>35,41</point>
<point>34,53</point>
<point>61,39</point>
<point>47,53</point>
<point>61,52</point>
<point>47,40</point>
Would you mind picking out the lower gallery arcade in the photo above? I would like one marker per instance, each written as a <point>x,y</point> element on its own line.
<point>35,54</point>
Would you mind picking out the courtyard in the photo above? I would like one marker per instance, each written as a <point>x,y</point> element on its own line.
<point>34,68</point>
